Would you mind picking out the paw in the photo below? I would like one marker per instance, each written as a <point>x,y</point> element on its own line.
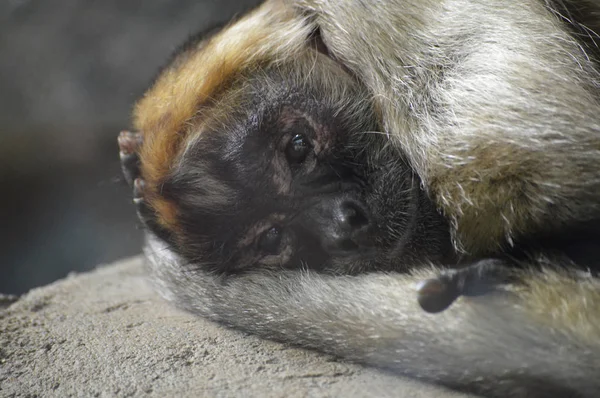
<point>437,294</point>
<point>129,144</point>
<point>138,191</point>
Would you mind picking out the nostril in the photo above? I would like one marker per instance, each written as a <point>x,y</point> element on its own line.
<point>348,245</point>
<point>354,215</point>
<point>343,226</point>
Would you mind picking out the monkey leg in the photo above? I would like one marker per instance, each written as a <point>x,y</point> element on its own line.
<point>437,294</point>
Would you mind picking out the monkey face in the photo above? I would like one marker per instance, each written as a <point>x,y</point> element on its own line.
<point>291,184</point>
<point>278,172</point>
<point>271,165</point>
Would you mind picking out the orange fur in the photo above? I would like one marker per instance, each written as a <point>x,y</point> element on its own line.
<point>166,113</point>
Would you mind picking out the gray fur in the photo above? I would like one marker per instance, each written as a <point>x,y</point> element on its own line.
<point>480,93</point>
<point>489,345</point>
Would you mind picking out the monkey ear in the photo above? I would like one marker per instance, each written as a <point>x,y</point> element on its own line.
<point>437,294</point>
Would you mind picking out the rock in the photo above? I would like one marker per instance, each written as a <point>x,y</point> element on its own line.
<point>106,333</point>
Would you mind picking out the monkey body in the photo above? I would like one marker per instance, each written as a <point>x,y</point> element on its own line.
<point>496,115</point>
<point>455,82</point>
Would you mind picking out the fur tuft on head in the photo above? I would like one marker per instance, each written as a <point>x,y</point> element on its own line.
<point>195,78</point>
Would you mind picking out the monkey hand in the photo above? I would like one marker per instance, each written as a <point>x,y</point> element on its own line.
<point>129,146</point>
<point>437,294</point>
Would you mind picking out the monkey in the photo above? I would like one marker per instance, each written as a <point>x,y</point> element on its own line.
<point>292,189</point>
<point>438,94</point>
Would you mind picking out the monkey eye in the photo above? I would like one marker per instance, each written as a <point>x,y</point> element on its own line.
<point>270,241</point>
<point>297,149</point>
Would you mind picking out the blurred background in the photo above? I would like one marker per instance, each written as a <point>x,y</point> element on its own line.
<point>70,71</point>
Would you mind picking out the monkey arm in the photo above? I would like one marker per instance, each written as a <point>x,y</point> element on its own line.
<point>496,106</point>
<point>511,342</point>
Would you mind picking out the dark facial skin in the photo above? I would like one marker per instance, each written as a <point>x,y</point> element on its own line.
<point>290,180</point>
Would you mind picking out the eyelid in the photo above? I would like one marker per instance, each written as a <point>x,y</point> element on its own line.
<point>296,124</point>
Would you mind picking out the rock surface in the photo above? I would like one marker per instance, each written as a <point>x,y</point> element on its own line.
<point>106,333</point>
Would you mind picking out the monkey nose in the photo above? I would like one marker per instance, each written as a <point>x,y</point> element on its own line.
<point>351,216</point>
<point>349,229</point>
